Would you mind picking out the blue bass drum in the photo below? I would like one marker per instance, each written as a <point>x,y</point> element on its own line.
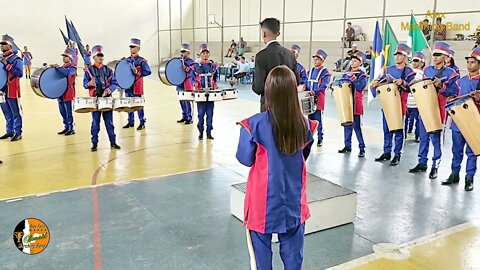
<point>3,76</point>
<point>48,83</point>
<point>124,74</point>
<point>172,72</point>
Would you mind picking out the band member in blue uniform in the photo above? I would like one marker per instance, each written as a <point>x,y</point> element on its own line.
<point>450,61</point>
<point>359,80</point>
<point>100,82</point>
<point>141,69</point>
<point>299,67</point>
<point>275,144</point>
<point>12,110</point>
<point>318,79</point>
<point>207,78</point>
<point>188,85</point>
<point>401,75</point>
<point>467,84</point>
<point>27,62</point>
<point>88,56</point>
<point>445,80</point>
<point>65,103</point>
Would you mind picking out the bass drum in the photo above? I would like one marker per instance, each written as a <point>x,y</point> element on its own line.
<point>3,76</point>
<point>171,72</point>
<point>124,74</point>
<point>48,82</point>
<point>113,64</point>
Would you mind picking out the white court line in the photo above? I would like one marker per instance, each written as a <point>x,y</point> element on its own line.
<point>14,200</point>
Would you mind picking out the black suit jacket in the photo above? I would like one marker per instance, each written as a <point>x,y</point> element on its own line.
<point>265,60</point>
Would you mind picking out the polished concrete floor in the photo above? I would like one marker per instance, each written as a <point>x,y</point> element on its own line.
<point>101,217</point>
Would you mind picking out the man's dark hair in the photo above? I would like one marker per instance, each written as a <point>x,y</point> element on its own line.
<point>272,24</point>
<point>243,57</point>
<point>439,19</point>
<point>349,23</point>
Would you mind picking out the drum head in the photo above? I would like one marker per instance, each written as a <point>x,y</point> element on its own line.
<point>174,71</point>
<point>3,76</point>
<point>52,83</point>
<point>124,74</point>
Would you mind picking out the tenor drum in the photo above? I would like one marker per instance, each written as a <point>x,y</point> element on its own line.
<point>343,95</point>
<point>48,82</point>
<point>121,105</point>
<point>172,72</point>
<point>426,98</point>
<point>105,104</point>
<point>85,104</point>
<point>186,96</point>
<point>137,103</point>
<point>307,102</point>
<point>464,113</point>
<point>3,76</point>
<point>230,94</point>
<point>392,105</point>
<point>211,95</point>
<point>124,74</point>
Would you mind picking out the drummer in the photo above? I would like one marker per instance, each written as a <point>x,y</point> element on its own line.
<point>318,79</point>
<point>207,78</point>
<point>100,82</point>
<point>141,70</point>
<point>300,70</point>
<point>445,80</point>
<point>401,75</point>
<point>12,110</point>
<point>467,84</point>
<point>450,61</point>
<point>69,71</point>
<point>359,79</point>
<point>418,63</point>
<point>188,84</point>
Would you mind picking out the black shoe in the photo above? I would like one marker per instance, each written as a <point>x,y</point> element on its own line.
<point>395,161</point>
<point>361,154</point>
<point>319,143</point>
<point>384,157</point>
<point>200,137</point>
<point>181,120</point>
<point>94,148</point>
<point>188,122</point>
<point>141,126</point>
<point>6,136</point>
<point>209,137</point>
<point>452,179</point>
<point>433,173</point>
<point>468,185</point>
<point>16,138</point>
<point>417,140</point>
<point>128,125</point>
<point>409,131</point>
<point>419,168</point>
<point>62,132</point>
<point>114,145</point>
<point>345,150</point>
<point>71,132</point>
<point>1,162</point>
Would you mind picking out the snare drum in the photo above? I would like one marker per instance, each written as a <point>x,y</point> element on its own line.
<point>124,74</point>
<point>212,95</point>
<point>137,103</point>
<point>105,104</point>
<point>230,94</point>
<point>343,95</point>
<point>186,96</point>
<point>392,105</point>
<point>85,104</point>
<point>121,105</point>
<point>426,98</point>
<point>464,113</point>
<point>307,102</point>
<point>48,82</point>
<point>172,72</point>
<point>3,76</point>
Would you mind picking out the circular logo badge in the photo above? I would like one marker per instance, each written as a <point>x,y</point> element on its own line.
<point>31,236</point>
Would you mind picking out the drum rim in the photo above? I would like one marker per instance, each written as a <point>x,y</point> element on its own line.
<point>412,83</point>
<point>6,77</point>
<point>166,76</point>
<point>43,69</point>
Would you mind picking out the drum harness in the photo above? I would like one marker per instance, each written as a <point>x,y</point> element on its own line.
<point>103,80</point>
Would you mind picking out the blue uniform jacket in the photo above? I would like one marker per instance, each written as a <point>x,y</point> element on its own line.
<point>466,85</point>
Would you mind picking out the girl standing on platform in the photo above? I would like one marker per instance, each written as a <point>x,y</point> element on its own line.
<point>275,144</point>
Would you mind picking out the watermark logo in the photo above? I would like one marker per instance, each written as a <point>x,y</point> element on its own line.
<point>31,236</point>
<point>433,25</point>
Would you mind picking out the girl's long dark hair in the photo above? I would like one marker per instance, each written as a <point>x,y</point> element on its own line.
<point>281,100</point>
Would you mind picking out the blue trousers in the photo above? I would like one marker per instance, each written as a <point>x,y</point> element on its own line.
<point>458,147</point>
<point>348,131</point>
<point>13,117</point>
<point>205,108</point>
<point>388,139</point>
<point>65,108</point>
<point>318,115</point>
<point>108,119</point>
<point>186,110</point>
<point>131,115</point>
<point>425,139</point>
<point>412,116</point>
<point>291,248</point>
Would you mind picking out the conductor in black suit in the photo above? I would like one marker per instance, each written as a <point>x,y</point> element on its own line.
<point>273,55</point>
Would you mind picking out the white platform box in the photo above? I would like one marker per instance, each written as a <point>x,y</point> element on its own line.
<point>330,204</point>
